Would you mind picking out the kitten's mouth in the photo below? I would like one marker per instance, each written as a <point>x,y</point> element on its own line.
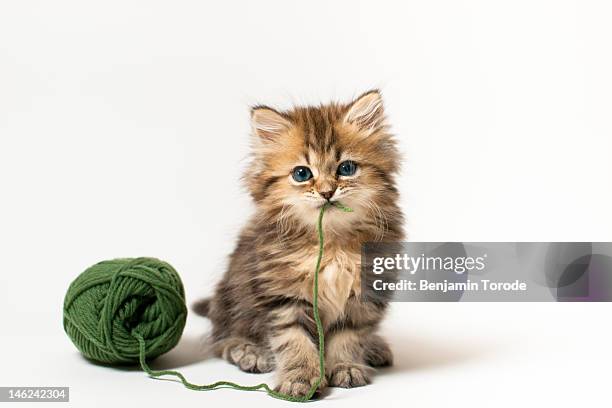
<point>331,204</point>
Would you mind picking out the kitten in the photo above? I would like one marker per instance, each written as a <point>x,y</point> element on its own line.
<point>262,309</point>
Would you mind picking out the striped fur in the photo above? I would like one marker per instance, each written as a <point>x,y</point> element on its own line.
<point>262,309</point>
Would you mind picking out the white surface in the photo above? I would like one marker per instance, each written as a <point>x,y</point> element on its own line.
<point>463,355</point>
<point>123,129</point>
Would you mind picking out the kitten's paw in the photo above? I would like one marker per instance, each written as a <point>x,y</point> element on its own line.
<point>377,352</point>
<point>298,383</point>
<point>251,358</point>
<point>349,375</point>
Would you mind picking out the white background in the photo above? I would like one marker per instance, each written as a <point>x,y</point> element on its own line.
<point>124,128</point>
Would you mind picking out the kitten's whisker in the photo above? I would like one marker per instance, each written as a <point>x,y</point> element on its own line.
<point>283,223</point>
<point>380,218</point>
<point>385,221</point>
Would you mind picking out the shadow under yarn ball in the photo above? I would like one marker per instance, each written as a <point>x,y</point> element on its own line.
<point>112,301</point>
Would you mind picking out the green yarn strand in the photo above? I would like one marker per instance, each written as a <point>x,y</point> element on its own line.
<point>129,310</point>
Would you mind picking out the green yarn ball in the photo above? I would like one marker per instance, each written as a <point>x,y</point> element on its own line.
<point>113,300</point>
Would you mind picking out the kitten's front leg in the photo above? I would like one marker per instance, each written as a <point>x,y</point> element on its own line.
<point>346,359</point>
<point>294,342</point>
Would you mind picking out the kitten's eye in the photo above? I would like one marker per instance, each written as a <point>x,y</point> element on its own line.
<point>347,168</point>
<point>301,174</point>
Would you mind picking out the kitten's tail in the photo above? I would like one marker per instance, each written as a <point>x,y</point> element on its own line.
<point>201,307</point>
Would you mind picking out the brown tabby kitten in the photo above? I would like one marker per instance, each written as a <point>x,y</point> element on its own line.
<point>262,309</point>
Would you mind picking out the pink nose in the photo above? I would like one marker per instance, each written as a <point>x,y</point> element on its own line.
<point>327,194</point>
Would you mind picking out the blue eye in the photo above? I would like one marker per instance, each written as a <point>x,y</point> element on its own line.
<point>347,168</point>
<point>301,174</point>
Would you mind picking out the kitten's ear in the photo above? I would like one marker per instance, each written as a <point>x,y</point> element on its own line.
<point>267,123</point>
<point>367,111</point>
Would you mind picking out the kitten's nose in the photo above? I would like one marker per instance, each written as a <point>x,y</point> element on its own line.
<point>327,194</point>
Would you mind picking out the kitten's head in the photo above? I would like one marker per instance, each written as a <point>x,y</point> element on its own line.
<point>308,156</point>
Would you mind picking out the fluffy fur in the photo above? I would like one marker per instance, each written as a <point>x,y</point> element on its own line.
<point>262,309</point>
